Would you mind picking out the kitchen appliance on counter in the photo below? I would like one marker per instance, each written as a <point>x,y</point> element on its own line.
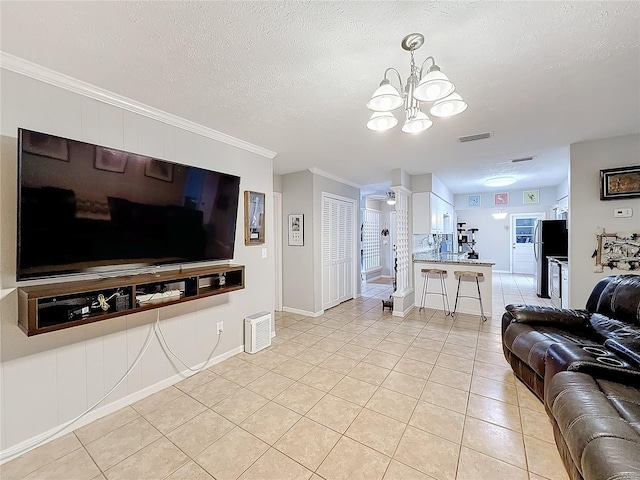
<point>551,238</point>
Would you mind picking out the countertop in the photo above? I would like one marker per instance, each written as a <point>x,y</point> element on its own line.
<point>560,259</point>
<point>450,258</point>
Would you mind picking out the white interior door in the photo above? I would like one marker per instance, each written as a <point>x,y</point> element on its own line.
<point>338,257</point>
<point>522,242</point>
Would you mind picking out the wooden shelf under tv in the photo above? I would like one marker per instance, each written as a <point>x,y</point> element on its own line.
<point>46,308</point>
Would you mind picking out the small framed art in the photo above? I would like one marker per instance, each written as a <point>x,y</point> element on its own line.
<point>501,199</point>
<point>474,200</point>
<point>253,218</point>
<point>531,196</point>
<point>619,183</point>
<point>296,230</point>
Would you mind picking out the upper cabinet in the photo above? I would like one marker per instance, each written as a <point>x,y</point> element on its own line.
<point>431,214</point>
<point>421,212</point>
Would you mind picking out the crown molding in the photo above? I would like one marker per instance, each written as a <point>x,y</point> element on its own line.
<point>43,74</point>
<point>330,176</point>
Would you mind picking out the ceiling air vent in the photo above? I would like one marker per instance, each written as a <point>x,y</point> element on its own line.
<point>524,159</point>
<point>473,138</point>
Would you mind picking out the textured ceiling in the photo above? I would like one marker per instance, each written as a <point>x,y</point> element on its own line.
<point>294,77</point>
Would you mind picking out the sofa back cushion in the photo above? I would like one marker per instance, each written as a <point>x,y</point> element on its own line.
<point>620,299</point>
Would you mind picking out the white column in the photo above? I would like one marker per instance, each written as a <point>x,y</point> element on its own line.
<point>403,296</point>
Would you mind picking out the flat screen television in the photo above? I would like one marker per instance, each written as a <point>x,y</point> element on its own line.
<point>85,208</point>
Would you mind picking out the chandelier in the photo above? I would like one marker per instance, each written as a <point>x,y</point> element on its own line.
<point>391,198</point>
<point>422,86</point>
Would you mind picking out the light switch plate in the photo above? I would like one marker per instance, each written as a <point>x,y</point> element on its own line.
<point>264,253</point>
<point>622,212</point>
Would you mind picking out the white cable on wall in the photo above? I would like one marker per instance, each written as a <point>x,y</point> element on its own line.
<point>155,328</point>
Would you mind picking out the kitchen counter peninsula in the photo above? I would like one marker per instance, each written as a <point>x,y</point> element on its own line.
<point>452,262</point>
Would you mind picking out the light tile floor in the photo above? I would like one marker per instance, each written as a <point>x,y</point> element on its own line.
<point>353,394</point>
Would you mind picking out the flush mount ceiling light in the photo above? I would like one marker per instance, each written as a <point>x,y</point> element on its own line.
<point>499,181</point>
<point>391,198</point>
<point>429,85</point>
<point>500,215</point>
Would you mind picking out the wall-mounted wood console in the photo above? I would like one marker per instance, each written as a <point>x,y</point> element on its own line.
<point>45,308</point>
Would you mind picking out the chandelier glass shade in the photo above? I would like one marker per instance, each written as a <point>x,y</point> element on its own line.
<point>500,215</point>
<point>391,198</point>
<point>381,121</point>
<point>432,86</point>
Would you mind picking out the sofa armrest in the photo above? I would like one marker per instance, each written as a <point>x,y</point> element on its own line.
<point>533,314</point>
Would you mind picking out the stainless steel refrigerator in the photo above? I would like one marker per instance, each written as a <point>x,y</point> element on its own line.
<point>551,238</point>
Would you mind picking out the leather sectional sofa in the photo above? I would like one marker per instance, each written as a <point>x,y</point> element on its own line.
<point>585,366</point>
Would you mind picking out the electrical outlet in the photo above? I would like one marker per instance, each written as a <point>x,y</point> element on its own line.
<point>220,328</point>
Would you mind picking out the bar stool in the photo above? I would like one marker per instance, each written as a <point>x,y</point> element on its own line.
<point>476,275</point>
<point>442,292</point>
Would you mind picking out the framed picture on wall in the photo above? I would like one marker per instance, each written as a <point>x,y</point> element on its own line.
<point>253,218</point>
<point>296,230</point>
<point>531,196</point>
<point>618,183</point>
<point>501,199</point>
<point>474,200</point>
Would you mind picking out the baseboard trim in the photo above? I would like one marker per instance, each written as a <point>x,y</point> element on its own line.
<point>403,314</point>
<point>306,313</point>
<point>23,447</point>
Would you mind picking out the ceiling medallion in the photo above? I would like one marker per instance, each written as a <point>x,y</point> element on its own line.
<point>422,86</point>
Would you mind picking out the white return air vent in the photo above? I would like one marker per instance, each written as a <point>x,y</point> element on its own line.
<point>257,332</point>
<point>473,138</point>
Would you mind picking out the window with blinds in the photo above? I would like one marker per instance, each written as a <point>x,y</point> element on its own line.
<point>370,240</point>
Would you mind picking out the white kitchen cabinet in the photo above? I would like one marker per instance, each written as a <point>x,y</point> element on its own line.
<point>421,213</point>
<point>429,212</point>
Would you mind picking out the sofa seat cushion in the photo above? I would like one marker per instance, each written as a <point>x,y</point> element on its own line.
<point>530,343</point>
<point>596,418</point>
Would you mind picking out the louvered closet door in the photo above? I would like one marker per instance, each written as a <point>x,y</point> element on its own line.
<point>337,252</point>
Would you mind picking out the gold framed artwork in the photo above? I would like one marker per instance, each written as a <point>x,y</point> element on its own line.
<point>619,183</point>
<point>253,218</point>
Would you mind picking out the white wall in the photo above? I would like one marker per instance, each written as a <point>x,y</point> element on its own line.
<point>297,261</point>
<point>494,237</point>
<point>302,265</point>
<point>587,212</point>
<point>50,378</point>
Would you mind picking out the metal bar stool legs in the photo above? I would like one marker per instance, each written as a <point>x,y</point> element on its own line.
<point>476,276</point>
<point>442,292</point>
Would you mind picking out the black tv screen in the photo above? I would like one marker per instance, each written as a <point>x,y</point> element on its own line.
<point>87,208</point>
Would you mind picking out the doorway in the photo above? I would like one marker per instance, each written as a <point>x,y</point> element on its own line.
<point>523,227</point>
